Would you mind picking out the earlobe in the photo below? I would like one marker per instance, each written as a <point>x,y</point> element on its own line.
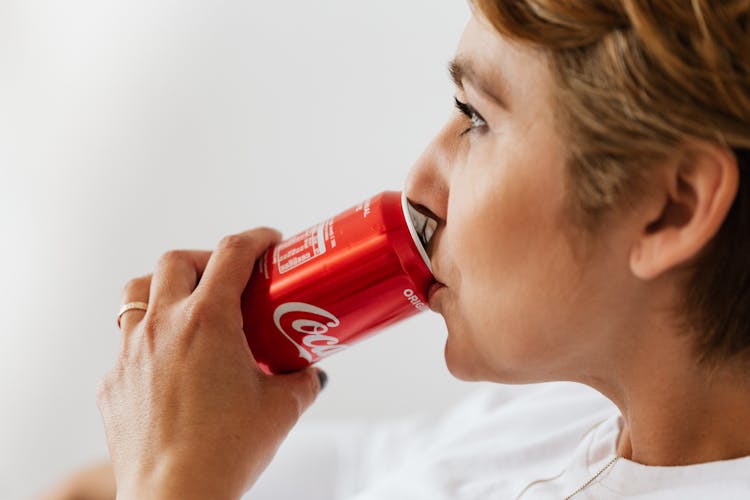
<point>693,200</point>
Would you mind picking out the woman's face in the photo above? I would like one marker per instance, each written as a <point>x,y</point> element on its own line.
<point>520,305</point>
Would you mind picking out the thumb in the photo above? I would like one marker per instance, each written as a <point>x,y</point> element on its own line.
<point>304,386</point>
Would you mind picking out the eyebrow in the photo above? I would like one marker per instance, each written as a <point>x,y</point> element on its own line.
<point>461,69</point>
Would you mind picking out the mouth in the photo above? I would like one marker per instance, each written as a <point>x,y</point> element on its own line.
<point>434,290</point>
<point>425,224</point>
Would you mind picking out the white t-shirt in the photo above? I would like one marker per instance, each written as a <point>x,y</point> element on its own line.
<point>540,442</point>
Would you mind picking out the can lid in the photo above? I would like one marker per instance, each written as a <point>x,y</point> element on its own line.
<point>421,227</point>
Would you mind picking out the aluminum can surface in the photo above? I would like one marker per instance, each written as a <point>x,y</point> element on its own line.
<point>337,283</point>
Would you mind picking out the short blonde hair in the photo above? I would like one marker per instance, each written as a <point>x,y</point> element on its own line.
<point>635,79</point>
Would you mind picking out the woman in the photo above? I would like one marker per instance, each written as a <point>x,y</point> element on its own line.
<point>594,227</point>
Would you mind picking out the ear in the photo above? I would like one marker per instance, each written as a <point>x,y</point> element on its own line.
<point>692,197</point>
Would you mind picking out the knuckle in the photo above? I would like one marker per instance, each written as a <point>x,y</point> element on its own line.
<point>312,387</point>
<point>171,257</point>
<point>135,285</point>
<point>306,395</point>
<point>296,398</point>
<point>233,241</point>
<point>267,235</point>
<point>292,405</point>
<point>267,232</point>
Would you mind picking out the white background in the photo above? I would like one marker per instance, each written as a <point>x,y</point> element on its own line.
<point>131,127</point>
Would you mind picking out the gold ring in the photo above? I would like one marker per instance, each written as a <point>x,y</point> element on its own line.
<point>131,306</point>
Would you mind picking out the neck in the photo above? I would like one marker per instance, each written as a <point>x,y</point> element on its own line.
<point>678,412</point>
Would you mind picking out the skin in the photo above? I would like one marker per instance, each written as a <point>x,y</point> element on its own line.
<point>94,482</point>
<point>527,298</point>
<point>187,411</point>
<point>530,298</point>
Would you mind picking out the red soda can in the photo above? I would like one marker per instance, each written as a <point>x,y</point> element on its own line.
<point>337,283</point>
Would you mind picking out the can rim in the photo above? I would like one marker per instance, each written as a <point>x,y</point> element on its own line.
<point>413,231</point>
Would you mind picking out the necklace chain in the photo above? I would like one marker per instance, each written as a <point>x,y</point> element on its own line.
<point>588,483</point>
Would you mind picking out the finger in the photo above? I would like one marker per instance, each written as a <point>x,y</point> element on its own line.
<point>177,274</point>
<point>136,290</point>
<point>304,387</point>
<point>232,263</point>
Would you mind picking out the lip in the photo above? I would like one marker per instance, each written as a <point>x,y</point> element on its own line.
<point>434,289</point>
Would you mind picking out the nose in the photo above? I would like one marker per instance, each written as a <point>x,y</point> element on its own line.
<point>428,183</point>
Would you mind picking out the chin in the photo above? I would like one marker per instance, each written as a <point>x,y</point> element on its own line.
<point>469,363</point>
<point>462,363</point>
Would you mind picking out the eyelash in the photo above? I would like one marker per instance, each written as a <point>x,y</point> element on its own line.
<point>468,110</point>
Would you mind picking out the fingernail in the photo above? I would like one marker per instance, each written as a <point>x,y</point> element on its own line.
<point>323,378</point>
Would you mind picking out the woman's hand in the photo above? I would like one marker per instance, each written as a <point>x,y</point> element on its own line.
<point>187,411</point>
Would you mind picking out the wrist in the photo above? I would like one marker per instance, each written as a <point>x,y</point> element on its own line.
<point>173,491</point>
<point>168,483</point>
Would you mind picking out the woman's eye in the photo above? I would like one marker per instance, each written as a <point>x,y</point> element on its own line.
<point>474,117</point>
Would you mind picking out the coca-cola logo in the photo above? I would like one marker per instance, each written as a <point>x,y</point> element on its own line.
<point>306,327</point>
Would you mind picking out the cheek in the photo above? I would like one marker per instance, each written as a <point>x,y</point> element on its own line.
<point>506,220</point>
<point>513,265</point>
